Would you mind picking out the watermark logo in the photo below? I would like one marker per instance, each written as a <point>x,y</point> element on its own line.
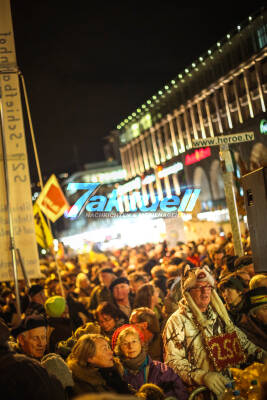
<point>98,205</point>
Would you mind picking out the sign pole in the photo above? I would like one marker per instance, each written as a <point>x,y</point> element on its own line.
<point>227,168</point>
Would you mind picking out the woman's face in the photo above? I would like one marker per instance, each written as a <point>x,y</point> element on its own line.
<point>131,346</point>
<point>106,322</point>
<point>103,357</point>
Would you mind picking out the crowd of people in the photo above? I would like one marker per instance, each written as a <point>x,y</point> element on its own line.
<point>149,322</point>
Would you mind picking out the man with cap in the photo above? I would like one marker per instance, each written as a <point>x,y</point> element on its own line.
<point>122,298</point>
<point>101,292</point>
<point>232,290</point>
<point>37,300</point>
<point>22,377</point>
<point>200,341</point>
<point>255,326</point>
<point>31,336</point>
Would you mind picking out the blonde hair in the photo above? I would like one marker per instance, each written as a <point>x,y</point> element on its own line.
<point>85,348</point>
<point>88,328</point>
<point>122,336</point>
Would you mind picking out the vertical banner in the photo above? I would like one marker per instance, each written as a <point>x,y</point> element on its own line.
<point>12,129</point>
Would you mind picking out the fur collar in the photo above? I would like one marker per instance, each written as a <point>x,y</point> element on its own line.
<point>86,374</point>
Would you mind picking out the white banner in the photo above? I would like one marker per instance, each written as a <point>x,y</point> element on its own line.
<point>12,129</point>
<point>228,139</point>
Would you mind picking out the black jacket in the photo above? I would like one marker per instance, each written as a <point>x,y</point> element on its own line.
<point>25,379</point>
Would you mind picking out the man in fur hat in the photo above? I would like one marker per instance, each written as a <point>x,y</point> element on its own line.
<point>200,340</point>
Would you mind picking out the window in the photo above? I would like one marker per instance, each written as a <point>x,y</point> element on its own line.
<point>262,36</point>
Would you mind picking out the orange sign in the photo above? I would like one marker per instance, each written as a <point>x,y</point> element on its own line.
<point>52,201</point>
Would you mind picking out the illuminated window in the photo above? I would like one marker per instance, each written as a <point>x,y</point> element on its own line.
<point>262,36</point>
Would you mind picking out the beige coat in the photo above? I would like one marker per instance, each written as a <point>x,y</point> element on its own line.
<point>184,351</point>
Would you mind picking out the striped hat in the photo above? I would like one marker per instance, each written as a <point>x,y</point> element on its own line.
<point>257,298</point>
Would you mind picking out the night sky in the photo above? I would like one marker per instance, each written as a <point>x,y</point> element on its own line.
<point>88,65</point>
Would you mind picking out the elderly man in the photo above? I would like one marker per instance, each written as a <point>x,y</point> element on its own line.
<point>22,377</point>
<point>31,336</point>
<point>122,298</point>
<point>200,340</point>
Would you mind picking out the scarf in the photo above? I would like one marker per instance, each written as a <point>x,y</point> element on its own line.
<point>134,365</point>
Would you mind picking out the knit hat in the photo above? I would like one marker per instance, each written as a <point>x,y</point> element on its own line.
<point>4,332</point>
<point>257,298</point>
<point>230,262</point>
<point>122,328</point>
<point>55,306</point>
<point>254,281</point>
<point>30,322</point>
<point>35,289</point>
<point>231,281</point>
<point>243,261</point>
<point>117,281</point>
<point>55,365</point>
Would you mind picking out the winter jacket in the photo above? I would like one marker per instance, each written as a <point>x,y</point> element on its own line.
<point>76,308</point>
<point>93,380</point>
<point>154,348</point>
<point>35,308</point>
<point>159,374</point>
<point>99,294</point>
<point>183,346</point>
<point>23,378</point>
<point>255,332</point>
<point>58,329</point>
<point>238,313</point>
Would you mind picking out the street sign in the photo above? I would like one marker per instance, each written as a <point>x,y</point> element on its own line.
<point>227,169</point>
<point>220,140</point>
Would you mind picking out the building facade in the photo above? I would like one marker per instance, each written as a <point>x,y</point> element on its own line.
<point>222,93</point>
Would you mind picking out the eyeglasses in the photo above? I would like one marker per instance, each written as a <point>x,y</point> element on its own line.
<point>202,288</point>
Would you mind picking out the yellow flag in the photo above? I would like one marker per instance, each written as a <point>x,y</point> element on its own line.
<point>43,234</point>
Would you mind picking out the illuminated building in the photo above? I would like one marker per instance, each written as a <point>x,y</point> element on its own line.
<point>222,92</point>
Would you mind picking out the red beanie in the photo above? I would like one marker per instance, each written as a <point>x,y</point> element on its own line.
<point>120,329</point>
